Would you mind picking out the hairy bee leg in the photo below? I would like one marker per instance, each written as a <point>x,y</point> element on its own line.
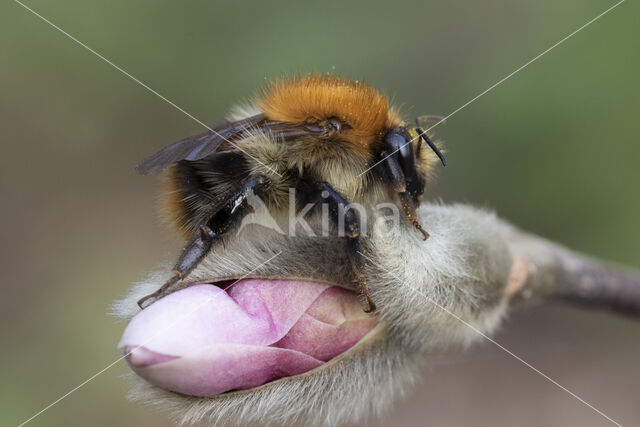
<point>354,252</point>
<point>394,170</point>
<point>190,257</point>
<point>199,245</point>
<point>354,249</point>
<point>409,209</point>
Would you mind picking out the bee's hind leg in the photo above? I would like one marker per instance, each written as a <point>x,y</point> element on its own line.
<point>195,250</point>
<point>202,241</point>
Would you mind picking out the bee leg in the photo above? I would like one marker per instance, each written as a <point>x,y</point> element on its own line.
<point>398,183</point>
<point>354,252</point>
<point>190,257</point>
<point>200,244</point>
<point>409,209</point>
<point>337,205</point>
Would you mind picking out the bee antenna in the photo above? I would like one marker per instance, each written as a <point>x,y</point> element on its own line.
<point>423,135</point>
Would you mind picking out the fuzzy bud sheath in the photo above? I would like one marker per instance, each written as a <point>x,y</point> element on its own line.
<point>291,345</point>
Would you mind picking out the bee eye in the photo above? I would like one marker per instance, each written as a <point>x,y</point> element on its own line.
<point>396,141</point>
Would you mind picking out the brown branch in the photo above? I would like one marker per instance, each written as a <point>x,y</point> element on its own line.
<point>554,272</point>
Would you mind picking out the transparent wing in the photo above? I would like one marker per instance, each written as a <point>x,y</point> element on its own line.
<point>197,146</point>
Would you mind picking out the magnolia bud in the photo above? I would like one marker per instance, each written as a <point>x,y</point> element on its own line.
<point>204,340</point>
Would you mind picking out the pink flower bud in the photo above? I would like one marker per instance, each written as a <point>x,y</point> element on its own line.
<point>205,340</point>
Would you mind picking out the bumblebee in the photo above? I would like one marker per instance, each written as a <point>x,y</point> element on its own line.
<point>324,136</point>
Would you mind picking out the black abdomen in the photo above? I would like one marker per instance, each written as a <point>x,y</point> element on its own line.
<point>198,188</point>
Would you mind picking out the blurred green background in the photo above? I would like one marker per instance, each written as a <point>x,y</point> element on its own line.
<point>553,149</point>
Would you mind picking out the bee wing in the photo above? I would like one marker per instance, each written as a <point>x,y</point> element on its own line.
<point>197,146</point>
<point>284,131</point>
<point>202,145</point>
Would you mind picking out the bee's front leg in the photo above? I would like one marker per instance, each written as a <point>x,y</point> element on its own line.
<point>409,209</point>
<point>338,205</point>
<point>200,244</point>
<point>398,183</point>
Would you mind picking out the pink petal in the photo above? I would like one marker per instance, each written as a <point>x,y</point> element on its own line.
<point>141,357</point>
<point>332,318</point>
<point>254,311</point>
<point>219,368</point>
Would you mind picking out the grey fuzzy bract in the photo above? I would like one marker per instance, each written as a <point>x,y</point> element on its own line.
<point>420,287</point>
